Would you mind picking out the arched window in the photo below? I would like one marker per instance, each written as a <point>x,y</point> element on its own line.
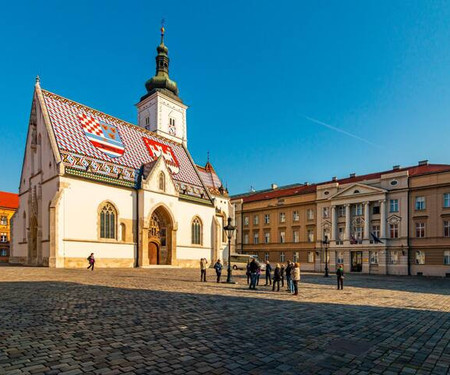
<point>162,181</point>
<point>24,226</point>
<point>108,219</point>
<point>123,232</point>
<point>196,231</point>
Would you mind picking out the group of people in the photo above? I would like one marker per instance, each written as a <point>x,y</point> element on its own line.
<point>290,272</point>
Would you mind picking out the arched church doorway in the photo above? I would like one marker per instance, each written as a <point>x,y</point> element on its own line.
<point>159,237</point>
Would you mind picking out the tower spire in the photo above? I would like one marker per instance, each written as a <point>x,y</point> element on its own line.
<point>161,81</point>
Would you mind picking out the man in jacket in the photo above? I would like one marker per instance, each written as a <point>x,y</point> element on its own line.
<point>218,267</point>
<point>268,273</point>
<point>340,277</point>
<point>203,266</point>
<point>253,268</point>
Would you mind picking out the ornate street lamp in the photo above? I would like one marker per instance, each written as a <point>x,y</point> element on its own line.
<point>229,229</point>
<point>325,243</point>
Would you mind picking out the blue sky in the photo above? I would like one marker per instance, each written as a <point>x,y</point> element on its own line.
<point>279,92</point>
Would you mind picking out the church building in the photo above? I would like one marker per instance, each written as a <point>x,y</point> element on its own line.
<point>130,194</point>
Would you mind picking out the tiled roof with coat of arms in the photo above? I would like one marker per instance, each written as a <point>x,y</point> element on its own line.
<point>95,145</point>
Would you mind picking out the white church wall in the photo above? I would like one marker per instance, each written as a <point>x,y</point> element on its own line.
<point>80,229</point>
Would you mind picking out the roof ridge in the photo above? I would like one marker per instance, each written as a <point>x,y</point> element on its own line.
<point>96,111</point>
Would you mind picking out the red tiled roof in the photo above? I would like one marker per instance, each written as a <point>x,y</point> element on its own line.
<point>305,189</point>
<point>278,193</point>
<point>210,178</point>
<point>9,200</point>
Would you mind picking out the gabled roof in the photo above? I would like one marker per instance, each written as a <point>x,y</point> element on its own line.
<point>277,193</point>
<point>9,200</point>
<point>211,179</point>
<point>95,145</point>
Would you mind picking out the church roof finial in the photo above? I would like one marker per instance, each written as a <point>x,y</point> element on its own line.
<point>163,30</point>
<point>38,80</point>
<point>161,81</point>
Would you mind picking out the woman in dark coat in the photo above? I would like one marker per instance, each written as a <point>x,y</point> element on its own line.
<point>276,278</point>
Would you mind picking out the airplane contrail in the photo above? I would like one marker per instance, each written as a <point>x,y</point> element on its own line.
<point>339,130</point>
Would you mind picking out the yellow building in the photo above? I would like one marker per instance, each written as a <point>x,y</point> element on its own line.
<point>8,206</point>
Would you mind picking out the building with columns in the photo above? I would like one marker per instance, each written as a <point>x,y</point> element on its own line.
<point>395,222</point>
<point>132,195</point>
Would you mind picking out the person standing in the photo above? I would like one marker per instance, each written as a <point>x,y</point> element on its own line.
<point>296,277</point>
<point>247,273</point>
<point>203,267</point>
<point>288,276</point>
<point>218,267</point>
<point>268,273</point>
<point>258,273</point>
<point>276,277</point>
<point>340,277</point>
<point>253,268</point>
<point>91,261</point>
<point>282,271</point>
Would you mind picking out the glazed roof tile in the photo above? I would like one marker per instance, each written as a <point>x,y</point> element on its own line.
<point>9,200</point>
<point>71,138</point>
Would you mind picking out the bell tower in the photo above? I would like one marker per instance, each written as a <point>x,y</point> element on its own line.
<point>161,110</point>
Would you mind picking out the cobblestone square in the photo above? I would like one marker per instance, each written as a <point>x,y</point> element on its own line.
<point>164,321</point>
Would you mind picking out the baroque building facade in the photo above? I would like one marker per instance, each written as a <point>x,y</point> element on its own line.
<point>395,222</point>
<point>132,195</point>
<point>8,206</point>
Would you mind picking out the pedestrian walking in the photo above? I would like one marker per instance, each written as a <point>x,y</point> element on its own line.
<point>296,277</point>
<point>91,261</point>
<point>276,278</point>
<point>203,267</point>
<point>268,273</point>
<point>282,271</point>
<point>253,268</point>
<point>247,273</point>
<point>340,277</point>
<point>290,284</point>
<point>218,267</point>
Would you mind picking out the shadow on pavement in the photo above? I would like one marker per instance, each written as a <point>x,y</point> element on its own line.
<point>53,327</point>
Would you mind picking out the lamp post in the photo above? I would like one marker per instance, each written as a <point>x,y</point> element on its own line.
<point>325,242</point>
<point>229,229</point>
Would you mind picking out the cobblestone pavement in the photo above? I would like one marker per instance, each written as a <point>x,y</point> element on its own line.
<point>164,321</point>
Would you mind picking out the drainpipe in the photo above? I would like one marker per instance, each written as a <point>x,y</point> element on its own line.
<point>137,188</point>
<point>407,233</point>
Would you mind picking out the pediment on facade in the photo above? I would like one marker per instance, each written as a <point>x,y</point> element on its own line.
<point>355,190</point>
<point>158,178</point>
<point>394,219</point>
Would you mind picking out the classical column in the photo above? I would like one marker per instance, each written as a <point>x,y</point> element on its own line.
<point>366,220</point>
<point>333,223</point>
<point>382,219</point>
<point>347,222</point>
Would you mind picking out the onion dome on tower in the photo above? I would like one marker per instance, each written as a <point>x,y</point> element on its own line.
<point>161,81</point>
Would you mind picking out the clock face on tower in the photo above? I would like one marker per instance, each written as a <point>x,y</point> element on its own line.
<point>172,127</point>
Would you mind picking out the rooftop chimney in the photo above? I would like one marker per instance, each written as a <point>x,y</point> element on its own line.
<point>423,162</point>
<point>274,186</point>
<point>306,183</point>
<point>352,175</point>
<point>396,167</point>
<point>334,178</point>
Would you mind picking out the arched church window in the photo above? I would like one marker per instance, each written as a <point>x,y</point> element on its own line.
<point>108,219</point>
<point>24,226</point>
<point>162,181</point>
<point>123,232</point>
<point>196,231</point>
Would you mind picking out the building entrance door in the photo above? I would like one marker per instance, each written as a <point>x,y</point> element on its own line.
<point>152,253</point>
<point>356,261</point>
